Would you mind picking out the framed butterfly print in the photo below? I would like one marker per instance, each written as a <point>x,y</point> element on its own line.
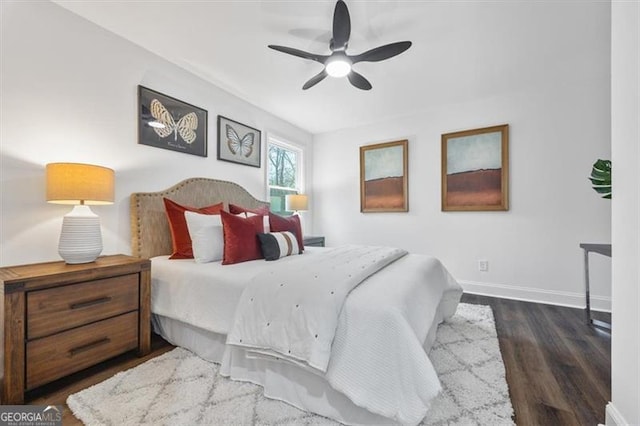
<point>238,143</point>
<point>169,123</point>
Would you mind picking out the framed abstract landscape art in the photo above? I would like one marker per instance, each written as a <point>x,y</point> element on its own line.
<point>475,169</point>
<point>168,123</point>
<point>384,177</point>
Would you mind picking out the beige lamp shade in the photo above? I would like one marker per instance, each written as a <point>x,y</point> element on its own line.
<point>296,202</point>
<point>75,183</point>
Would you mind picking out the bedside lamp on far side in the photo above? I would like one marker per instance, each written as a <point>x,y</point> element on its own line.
<point>296,203</point>
<point>81,185</point>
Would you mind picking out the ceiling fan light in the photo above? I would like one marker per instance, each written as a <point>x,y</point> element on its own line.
<point>338,68</point>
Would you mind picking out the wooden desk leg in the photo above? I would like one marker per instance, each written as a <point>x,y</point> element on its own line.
<point>13,351</point>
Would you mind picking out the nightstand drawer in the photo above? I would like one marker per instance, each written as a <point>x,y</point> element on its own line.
<point>56,356</point>
<point>61,308</point>
<point>310,241</point>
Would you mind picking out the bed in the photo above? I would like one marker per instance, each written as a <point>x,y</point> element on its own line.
<point>377,371</point>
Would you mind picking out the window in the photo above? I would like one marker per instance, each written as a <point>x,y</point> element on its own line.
<point>284,170</point>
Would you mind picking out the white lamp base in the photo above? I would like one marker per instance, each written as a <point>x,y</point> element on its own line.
<point>80,239</point>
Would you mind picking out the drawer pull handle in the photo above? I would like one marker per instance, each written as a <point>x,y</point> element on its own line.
<point>88,346</point>
<point>87,303</point>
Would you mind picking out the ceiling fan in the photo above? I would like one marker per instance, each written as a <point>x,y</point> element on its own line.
<point>339,64</point>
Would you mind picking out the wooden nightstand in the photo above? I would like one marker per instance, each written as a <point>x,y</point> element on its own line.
<point>59,319</point>
<point>313,241</point>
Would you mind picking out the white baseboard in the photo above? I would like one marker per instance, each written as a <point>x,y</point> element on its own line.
<point>613,416</point>
<point>528,294</point>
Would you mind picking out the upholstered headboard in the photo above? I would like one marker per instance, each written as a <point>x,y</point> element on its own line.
<point>150,235</point>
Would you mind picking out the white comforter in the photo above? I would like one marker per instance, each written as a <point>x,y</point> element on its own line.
<point>377,359</point>
<point>293,314</point>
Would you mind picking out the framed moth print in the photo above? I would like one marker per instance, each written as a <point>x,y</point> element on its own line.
<point>166,122</point>
<point>238,143</point>
<point>384,177</point>
<point>475,169</point>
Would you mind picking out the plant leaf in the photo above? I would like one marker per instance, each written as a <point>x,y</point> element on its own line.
<point>601,178</point>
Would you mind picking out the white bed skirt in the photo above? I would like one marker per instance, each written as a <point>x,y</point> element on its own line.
<point>282,381</point>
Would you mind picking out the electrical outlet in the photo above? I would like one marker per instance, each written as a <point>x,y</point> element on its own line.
<point>483,265</point>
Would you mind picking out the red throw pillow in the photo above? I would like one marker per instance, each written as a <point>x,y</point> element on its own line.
<point>241,238</point>
<point>178,225</point>
<point>234,209</point>
<point>291,223</point>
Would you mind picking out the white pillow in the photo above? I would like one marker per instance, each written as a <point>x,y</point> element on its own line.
<point>206,235</point>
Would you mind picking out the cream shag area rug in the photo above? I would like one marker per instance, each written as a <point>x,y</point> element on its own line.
<point>179,388</point>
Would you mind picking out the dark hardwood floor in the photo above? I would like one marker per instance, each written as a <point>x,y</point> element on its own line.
<point>558,368</point>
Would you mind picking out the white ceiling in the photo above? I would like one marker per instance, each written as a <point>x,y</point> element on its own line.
<point>461,50</point>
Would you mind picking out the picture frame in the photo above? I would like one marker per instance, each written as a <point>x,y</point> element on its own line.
<point>384,177</point>
<point>239,143</point>
<point>475,169</point>
<point>169,123</point>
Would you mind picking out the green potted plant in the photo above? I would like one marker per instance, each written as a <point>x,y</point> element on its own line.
<point>601,178</point>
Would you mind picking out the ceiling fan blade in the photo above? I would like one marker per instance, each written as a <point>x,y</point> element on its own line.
<point>315,80</point>
<point>341,27</point>
<point>299,53</point>
<point>381,53</point>
<point>359,81</point>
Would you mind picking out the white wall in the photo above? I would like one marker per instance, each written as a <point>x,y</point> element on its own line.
<point>559,125</point>
<point>625,131</point>
<point>69,93</point>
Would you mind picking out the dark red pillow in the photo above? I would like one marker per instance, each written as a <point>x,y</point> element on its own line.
<point>241,238</point>
<point>290,223</point>
<point>178,225</point>
<point>234,209</point>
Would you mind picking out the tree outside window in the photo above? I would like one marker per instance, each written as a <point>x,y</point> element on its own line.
<point>284,170</point>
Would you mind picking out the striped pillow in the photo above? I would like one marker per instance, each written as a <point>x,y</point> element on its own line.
<point>278,244</point>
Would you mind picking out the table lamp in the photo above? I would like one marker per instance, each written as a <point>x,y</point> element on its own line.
<point>81,185</point>
<point>296,203</point>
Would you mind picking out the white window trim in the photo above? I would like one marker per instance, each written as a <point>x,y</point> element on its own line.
<point>273,139</point>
